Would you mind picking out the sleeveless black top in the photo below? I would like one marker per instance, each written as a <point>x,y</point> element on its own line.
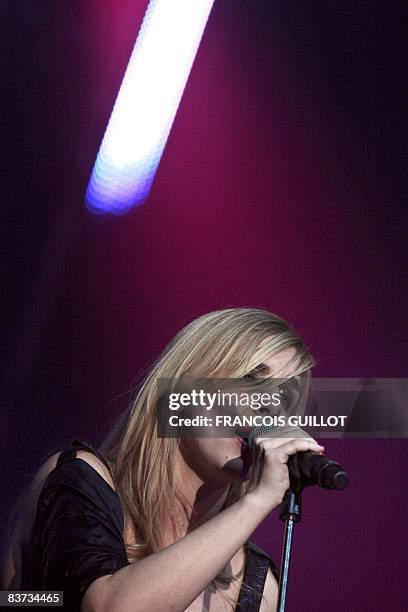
<point>77,537</point>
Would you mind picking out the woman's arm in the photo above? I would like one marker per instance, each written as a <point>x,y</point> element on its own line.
<point>172,578</point>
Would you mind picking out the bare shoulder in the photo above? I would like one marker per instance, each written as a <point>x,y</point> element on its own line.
<point>97,464</point>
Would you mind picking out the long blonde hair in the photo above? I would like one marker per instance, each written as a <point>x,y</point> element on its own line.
<point>226,343</point>
<point>223,344</point>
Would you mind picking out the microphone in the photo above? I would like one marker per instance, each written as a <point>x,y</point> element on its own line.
<point>309,467</point>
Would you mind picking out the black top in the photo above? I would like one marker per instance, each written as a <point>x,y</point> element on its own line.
<point>77,536</point>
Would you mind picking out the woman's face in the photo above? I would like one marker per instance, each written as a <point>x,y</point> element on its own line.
<point>227,460</point>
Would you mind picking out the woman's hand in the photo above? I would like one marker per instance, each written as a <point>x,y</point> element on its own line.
<point>269,470</point>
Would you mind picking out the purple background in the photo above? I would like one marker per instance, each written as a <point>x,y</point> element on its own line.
<point>282,186</point>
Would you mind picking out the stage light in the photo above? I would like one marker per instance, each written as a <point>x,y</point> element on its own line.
<point>146,104</point>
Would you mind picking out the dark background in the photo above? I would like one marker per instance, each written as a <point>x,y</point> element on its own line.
<point>283,185</point>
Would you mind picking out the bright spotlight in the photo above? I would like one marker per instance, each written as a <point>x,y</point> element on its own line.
<point>146,104</point>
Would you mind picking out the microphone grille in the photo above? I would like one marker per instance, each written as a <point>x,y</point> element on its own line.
<point>258,431</point>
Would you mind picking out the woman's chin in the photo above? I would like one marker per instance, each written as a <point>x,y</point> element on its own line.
<point>237,469</point>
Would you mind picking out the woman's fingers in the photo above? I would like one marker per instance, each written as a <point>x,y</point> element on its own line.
<point>284,447</point>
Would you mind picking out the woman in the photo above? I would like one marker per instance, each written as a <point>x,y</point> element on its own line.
<point>156,524</point>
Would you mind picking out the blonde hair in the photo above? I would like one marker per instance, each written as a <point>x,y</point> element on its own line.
<point>226,343</point>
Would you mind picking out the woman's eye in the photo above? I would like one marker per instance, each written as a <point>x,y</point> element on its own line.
<point>285,397</point>
<point>260,371</point>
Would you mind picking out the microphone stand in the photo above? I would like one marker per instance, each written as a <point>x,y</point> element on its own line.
<point>330,476</point>
<point>290,514</point>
